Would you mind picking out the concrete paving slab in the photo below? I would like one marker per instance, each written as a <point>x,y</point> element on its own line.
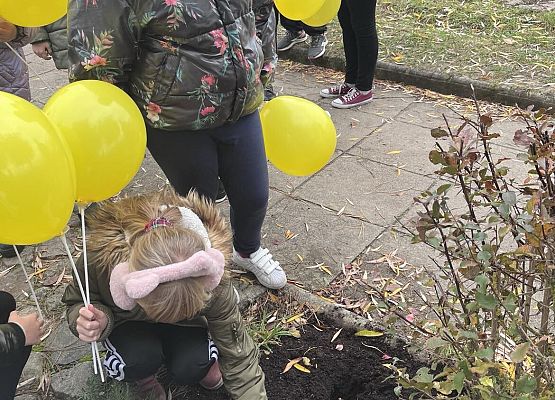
<point>400,145</point>
<point>428,115</point>
<point>303,235</point>
<point>364,188</point>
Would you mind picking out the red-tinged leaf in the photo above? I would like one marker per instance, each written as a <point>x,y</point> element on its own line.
<point>386,357</point>
<point>290,364</point>
<point>410,317</point>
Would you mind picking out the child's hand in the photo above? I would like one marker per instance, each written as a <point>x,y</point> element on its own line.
<point>31,325</point>
<point>8,31</point>
<point>91,323</point>
<point>43,49</point>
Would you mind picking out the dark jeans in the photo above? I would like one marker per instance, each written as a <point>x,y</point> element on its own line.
<point>297,26</point>
<point>137,350</point>
<point>234,152</point>
<point>12,365</point>
<point>360,41</point>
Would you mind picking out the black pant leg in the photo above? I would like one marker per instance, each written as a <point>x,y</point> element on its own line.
<point>244,173</point>
<point>134,351</point>
<point>189,353</point>
<point>189,160</point>
<point>12,366</point>
<point>360,15</point>
<point>313,30</point>
<point>290,25</point>
<point>349,43</point>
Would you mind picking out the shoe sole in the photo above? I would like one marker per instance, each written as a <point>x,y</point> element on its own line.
<point>331,96</point>
<point>220,200</point>
<point>293,43</point>
<point>351,105</point>
<point>320,54</point>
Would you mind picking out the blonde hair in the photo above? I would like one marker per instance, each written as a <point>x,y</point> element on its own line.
<point>170,302</point>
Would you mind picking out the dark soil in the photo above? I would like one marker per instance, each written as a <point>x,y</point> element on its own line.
<point>353,373</point>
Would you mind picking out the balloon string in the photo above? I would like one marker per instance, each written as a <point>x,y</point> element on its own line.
<point>29,282</point>
<point>28,65</point>
<point>94,345</point>
<point>85,260</point>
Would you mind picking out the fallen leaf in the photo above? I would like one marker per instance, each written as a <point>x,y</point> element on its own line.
<point>294,318</point>
<point>290,364</point>
<point>367,333</point>
<point>386,357</point>
<point>306,361</point>
<point>301,368</point>
<point>339,347</point>
<point>393,152</point>
<point>336,335</point>
<point>326,270</point>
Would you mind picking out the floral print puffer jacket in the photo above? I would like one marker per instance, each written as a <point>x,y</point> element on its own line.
<point>188,64</point>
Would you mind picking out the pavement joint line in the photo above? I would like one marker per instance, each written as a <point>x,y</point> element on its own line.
<point>360,218</point>
<point>429,176</point>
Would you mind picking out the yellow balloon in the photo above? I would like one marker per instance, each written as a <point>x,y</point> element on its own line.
<point>32,12</point>
<point>298,9</point>
<point>37,179</point>
<point>299,136</point>
<point>325,14</point>
<point>105,132</point>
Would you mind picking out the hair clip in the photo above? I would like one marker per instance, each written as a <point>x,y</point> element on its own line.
<point>156,223</point>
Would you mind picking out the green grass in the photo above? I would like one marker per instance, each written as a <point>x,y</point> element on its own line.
<point>479,39</point>
<point>110,390</point>
<point>265,334</point>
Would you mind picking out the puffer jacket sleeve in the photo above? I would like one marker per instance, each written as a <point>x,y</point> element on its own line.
<point>41,35</point>
<point>12,338</point>
<point>102,39</point>
<point>243,377</point>
<point>23,36</point>
<point>73,300</point>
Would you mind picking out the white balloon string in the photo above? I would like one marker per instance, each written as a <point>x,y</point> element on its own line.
<point>28,65</point>
<point>100,368</point>
<point>74,268</point>
<point>94,345</point>
<point>85,259</point>
<point>29,282</point>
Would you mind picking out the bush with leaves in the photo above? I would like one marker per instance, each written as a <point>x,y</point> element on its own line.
<point>492,332</point>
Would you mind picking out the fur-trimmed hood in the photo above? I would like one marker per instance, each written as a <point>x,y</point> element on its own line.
<point>108,238</point>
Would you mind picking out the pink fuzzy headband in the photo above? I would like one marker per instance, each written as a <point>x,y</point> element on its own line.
<point>127,286</point>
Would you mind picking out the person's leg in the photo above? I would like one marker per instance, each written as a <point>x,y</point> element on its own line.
<point>12,366</point>
<point>357,18</point>
<point>313,30</point>
<point>190,355</point>
<point>290,25</point>
<point>244,171</point>
<point>134,351</point>
<point>363,24</point>
<point>294,34</point>
<point>189,160</point>
<point>349,44</point>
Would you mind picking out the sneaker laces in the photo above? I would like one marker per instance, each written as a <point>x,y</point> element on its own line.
<point>317,41</point>
<point>351,95</point>
<point>265,261</point>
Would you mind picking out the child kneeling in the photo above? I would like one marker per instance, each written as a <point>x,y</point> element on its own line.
<point>160,295</point>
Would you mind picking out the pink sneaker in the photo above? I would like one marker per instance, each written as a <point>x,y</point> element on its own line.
<point>213,379</point>
<point>336,90</point>
<point>150,388</point>
<point>352,99</point>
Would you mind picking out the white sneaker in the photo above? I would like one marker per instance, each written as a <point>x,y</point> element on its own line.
<point>263,266</point>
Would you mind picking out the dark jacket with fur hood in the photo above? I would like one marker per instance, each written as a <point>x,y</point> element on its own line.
<point>108,247</point>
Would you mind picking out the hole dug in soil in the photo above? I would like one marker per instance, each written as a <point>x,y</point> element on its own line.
<point>355,372</point>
